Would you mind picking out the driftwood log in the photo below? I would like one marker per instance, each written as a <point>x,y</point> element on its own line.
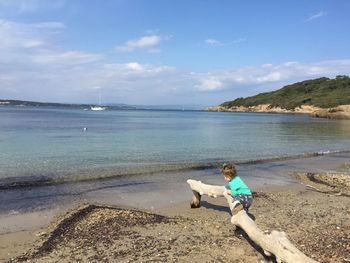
<point>275,243</point>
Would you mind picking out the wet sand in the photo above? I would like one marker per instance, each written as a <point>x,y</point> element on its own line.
<point>169,231</point>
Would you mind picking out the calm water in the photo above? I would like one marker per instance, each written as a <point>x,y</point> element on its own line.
<point>50,144</point>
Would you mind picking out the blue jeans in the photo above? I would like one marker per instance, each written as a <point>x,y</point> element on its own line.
<point>245,200</point>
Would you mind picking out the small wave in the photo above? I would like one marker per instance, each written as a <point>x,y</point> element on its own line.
<point>24,181</point>
<point>12,183</point>
<point>291,157</point>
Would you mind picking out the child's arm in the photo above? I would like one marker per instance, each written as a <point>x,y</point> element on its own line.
<point>228,189</point>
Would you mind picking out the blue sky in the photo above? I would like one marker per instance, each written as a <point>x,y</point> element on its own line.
<point>167,52</point>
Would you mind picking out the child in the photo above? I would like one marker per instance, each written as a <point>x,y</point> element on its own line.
<point>240,192</point>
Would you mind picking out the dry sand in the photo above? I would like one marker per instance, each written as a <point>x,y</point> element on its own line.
<point>317,223</point>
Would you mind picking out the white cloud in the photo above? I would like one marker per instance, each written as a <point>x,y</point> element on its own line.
<point>267,65</point>
<point>213,42</point>
<point>146,42</point>
<point>16,35</point>
<point>65,58</point>
<point>315,16</point>
<point>209,84</point>
<point>137,83</point>
<point>134,69</point>
<point>289,63</point>
<point>134,66</point>
<point>33,67</point>
<point>271,77</point>
<point>33,43</point>
<point>268,74</point>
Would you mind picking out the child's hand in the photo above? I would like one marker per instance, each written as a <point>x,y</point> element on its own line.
<point>228,191</point>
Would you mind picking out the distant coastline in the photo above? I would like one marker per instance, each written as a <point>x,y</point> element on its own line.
<point>108,106</point>
<point>23,103</point>
<point>339,112</point>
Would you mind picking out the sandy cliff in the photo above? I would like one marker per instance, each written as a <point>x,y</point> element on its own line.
<point>339,112</point>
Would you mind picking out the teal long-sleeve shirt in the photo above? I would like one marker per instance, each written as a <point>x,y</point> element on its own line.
<point>238,187</point>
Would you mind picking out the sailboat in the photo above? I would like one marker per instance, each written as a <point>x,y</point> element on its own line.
<point>98,108</point>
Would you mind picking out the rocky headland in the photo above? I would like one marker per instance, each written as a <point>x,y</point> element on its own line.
<point>339,112</point>
<point>322,97</point>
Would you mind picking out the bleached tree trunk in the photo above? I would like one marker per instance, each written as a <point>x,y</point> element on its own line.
<point>276,243</point>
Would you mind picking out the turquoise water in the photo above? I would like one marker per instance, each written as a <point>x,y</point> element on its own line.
<point>52,144</point>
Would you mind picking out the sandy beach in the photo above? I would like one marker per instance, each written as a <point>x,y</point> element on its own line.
<point>174,131</point>
<point>313,209</point>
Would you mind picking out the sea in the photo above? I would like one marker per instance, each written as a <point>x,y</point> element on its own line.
<point>43,149</point>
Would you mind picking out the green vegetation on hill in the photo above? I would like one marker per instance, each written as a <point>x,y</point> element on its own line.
<point>321,92</point>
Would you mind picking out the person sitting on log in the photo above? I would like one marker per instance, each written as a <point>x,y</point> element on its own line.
<point>242,197</point>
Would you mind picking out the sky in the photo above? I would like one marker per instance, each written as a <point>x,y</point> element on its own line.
<point>162,52</point>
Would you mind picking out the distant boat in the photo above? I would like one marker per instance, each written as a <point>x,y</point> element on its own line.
<point>97,108</point>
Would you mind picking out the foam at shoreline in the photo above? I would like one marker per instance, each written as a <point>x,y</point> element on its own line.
<point>160,190</point>
<point>13,183</point>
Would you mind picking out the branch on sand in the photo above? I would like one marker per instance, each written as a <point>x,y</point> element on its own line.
<point>334,193</point>
<point>275,243</point>
<point>327,183</point>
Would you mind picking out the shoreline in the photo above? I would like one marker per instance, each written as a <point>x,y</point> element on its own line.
<point>14,183</point>
<point>277,188</point>
<point>131,190</point>
<point>341,112</point>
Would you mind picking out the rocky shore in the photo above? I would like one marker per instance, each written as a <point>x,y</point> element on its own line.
<point>339,112</point>
<point>314,214</point>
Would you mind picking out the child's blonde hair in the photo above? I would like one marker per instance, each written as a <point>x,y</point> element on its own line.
<point>228,170</point>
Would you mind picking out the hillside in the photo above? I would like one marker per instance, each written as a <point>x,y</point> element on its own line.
<point>321,93</point>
